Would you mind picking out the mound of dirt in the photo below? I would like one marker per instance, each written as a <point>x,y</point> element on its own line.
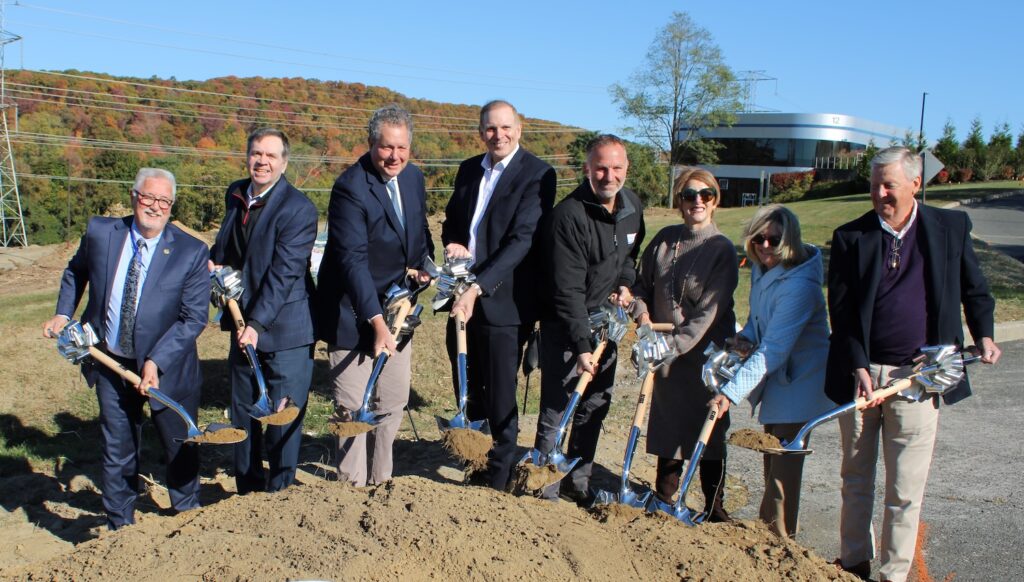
<point>415,528</point>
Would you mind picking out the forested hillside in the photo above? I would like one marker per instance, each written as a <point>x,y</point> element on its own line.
<point>98,130</point>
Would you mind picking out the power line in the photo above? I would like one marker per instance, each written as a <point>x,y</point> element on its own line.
<point>537,126</point>
<point>232,40</point>
<point>265,59</point>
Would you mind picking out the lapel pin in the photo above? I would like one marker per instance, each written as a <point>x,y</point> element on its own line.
<point>167,251</point>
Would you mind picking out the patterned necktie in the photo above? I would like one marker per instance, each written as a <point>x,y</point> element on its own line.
<point>126,333</point>
<point>392,186</point>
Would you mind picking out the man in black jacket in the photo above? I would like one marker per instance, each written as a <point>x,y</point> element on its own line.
<point>897,279</point>
<point>499,199</point>
<point>593,240</point>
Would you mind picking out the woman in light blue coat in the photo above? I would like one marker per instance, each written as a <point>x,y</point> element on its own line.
<point>787,330</point>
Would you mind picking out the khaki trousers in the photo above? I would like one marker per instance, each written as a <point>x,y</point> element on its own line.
<point>366,459</point>
<point>907,430</point>
<point>783,475</point>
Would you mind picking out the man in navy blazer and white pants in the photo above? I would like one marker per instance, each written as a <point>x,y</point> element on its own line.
<point>493,216</point>
<point>268,233</point>
<point>376,232</point>
<point>148,295</point>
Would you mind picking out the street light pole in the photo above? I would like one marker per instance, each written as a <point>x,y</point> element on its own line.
<point>920,146</point>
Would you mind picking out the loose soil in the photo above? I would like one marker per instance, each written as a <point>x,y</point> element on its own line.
<point>348,429</point>
<point>468,445</point>
<point>530,478</point>
<point>222,435</point>
<point>755,440</point>
<point>415,528</point>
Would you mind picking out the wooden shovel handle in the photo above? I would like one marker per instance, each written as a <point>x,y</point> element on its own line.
<point>645,396</point>
<point>883,393</point>
<point>663,327</point>
<point>114,365</point>
<point>236,314</point>
<point>586,377</point>
<point>460,332</point>
<point>404,307</point>
<point>709,425</point>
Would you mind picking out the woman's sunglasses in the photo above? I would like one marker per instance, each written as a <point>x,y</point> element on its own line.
<point>758,240</point>
<point>690,195</point>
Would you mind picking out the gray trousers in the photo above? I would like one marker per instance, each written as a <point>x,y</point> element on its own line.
<point>366,459</point>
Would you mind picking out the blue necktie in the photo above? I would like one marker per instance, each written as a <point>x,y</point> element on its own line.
<point>126,332</point>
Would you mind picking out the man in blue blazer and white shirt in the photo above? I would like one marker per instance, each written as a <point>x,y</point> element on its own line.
<point>376,232</point>
<point>148,295</point>
<point>268,233</point>
<point>493,216</point>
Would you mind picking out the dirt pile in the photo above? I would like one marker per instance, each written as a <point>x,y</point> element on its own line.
<point>414,528</point>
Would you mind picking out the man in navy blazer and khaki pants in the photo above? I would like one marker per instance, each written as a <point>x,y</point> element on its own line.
<point>268,233</point>
<point>376,232</point>
<point>897,279</point>
<point>492,216</point>
<point>148,295</point>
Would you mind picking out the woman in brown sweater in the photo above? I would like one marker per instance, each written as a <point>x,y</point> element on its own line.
<point>687,277</point>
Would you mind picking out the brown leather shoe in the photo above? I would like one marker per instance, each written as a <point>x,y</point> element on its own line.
<point>861,570</point>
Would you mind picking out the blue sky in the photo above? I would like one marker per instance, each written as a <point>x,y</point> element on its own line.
<point>555,60</point>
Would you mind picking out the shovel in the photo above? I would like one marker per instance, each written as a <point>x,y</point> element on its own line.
<point>679,510</point>
<point>227,289</point>
<point>649,353</point>
<point>939,369</point>
<point>403,319</point>
<point>609,325</point>
<point>455,279</point>
<point>77,343</point>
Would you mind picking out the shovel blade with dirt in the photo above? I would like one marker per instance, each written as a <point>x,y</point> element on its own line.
<point>679,509</point>
<point>651,351</point>
<point>77,343</point>
<point>540,469</point>
<point>937,370</point>
<point>402,319</point>
<point>227,290</point>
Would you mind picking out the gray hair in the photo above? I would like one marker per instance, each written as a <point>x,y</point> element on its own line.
<point>791,249</point>
<point>910,161</point>
<point>497,103</point>
<point>388,115</point>
<point>148,173</point>
<point>605,139</point>
<point>263,132</point>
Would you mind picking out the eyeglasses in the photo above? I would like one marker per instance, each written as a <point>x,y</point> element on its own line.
<point>759,240</point>
<point>149,200</point>
<point>706,194</point>
<point>894,253</point>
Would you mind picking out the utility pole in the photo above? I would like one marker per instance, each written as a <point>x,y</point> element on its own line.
<point>11,217</point>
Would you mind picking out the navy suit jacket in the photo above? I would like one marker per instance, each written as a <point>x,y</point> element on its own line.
<point>506,269</point>
<point>275,269</point>
<point>367,250</point>
<point>952,277</point>
<point>173,308</point>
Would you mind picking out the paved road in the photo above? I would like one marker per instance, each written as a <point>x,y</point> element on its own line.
<point>1000,223</point>
<point>974,503</point>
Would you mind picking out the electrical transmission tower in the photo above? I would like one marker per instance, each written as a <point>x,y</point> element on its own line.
<point>749,81</point>
<point>13,220</point>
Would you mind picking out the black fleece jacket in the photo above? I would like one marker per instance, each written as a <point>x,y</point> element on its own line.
<point>591,253</point>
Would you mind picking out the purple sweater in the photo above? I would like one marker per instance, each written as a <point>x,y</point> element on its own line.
<point>899,324</point>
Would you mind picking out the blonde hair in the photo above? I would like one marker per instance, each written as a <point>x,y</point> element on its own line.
<point>701,175</point>
<point>791,249</point>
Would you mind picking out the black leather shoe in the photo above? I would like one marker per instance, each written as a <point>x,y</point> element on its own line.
<point>861,570</point>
